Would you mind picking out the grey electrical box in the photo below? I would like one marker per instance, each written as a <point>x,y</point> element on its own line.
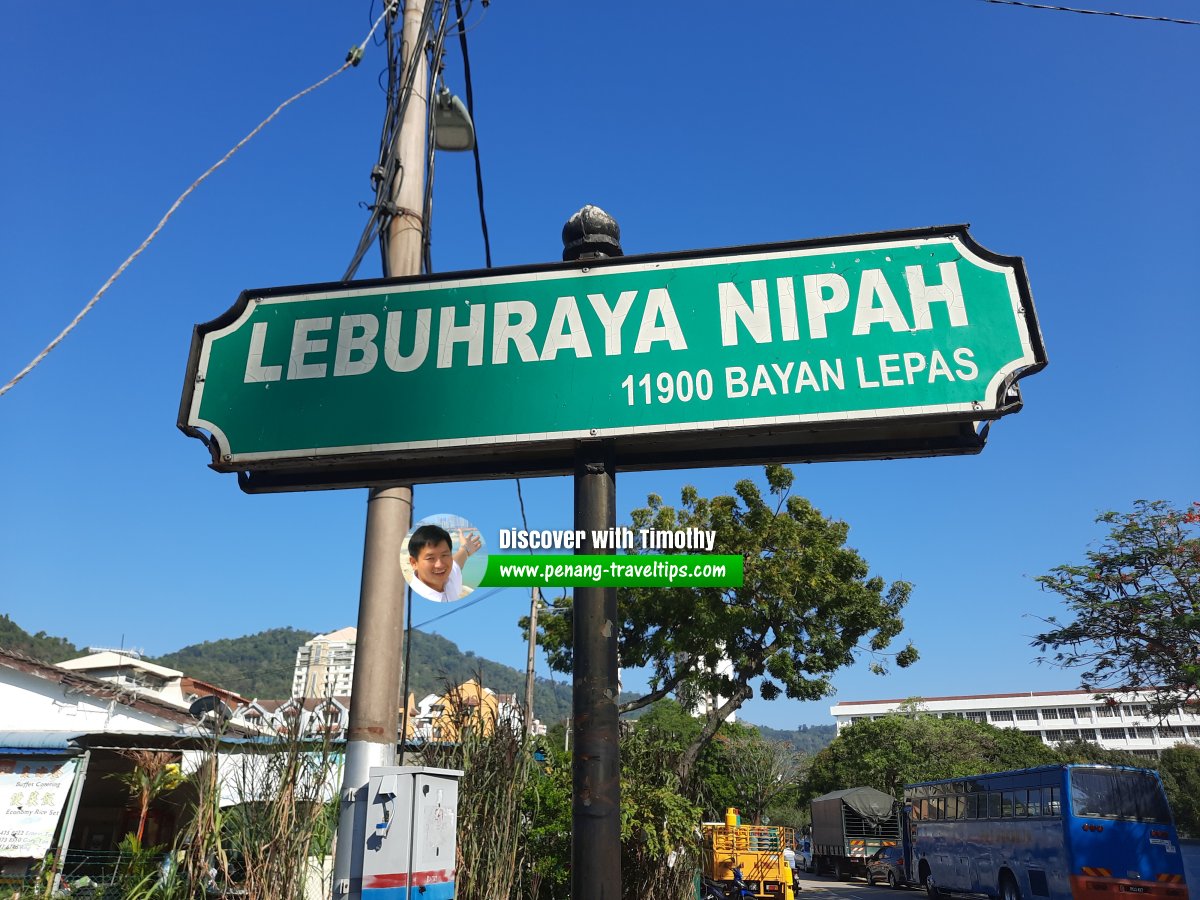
<point>410,839</point>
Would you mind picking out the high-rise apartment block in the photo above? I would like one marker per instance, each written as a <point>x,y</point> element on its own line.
<point>325,665</point>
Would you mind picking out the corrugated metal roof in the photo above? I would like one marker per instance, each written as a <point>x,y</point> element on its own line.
<point>39,743</point>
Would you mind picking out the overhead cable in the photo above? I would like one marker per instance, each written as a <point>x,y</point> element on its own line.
<point>436,55</point>
<point>1093,12</point>
<point>462,40</point>
<point>352,59</point>
<point>460,607</point>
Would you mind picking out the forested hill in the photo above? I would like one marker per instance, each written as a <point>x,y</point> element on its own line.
<point>257,665</point>
<point>40,646</point>
<point>807,738</point>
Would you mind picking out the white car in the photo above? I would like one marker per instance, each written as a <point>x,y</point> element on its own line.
<point>804,856</point>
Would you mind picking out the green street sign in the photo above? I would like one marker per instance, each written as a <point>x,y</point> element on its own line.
<point>890,344</point>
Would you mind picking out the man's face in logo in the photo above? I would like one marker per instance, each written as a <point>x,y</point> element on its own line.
<point>432,565</point>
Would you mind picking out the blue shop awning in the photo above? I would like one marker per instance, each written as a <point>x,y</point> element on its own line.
<point>39,743</point>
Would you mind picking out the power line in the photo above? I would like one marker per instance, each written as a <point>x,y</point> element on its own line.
<point>352,59</point>
<point>162,223</point>
<point>462,40</point>
<point>1093,12</point>
<point>436,55</point>
<point>459,608</point>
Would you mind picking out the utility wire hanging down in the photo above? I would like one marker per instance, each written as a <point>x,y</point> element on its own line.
<point>1093,12</point>
<point>437,52</point>
<point>352,59</point>
<point>462,40</point>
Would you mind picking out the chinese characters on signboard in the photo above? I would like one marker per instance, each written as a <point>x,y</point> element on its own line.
<point>32,794</point>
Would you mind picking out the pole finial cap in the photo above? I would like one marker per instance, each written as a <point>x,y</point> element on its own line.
<point>591,233</point>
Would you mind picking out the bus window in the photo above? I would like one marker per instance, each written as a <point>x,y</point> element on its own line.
<point>1035,802</point>
<point>993,805</point>
<point>1019,806</point>
<point>1081,804</point>
<point>1118,795</point>
<point>1053,803</point>
<point>937,808</point>
<point>973,806</point>
<point>1006,805</point>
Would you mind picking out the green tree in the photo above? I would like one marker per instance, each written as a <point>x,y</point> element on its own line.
<point>898,749</point>
<point>659,817</point>
<point>546,804</point>
<point>764,772</point>
<point>1133,609</point>
<point>806,608</point>
<point>1089,752</point>
<point>1179,767</point>
<point>713,785</point>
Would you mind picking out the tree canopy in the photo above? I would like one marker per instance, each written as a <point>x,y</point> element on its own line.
<point>903,748</point>
<point>1133,609</point>
<point>1179,767</point>
<point>763,772</point>
<point>807,607</point>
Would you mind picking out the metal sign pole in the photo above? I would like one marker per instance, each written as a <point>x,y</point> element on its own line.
<point>595,759</point>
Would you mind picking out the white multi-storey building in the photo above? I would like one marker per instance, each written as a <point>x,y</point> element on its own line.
<point>710,703</point>
<point>325,665</point>
<point>700,704</point>
<point>1054,716</point>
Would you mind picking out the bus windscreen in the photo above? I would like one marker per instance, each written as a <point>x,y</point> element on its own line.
<point>1109,794</point>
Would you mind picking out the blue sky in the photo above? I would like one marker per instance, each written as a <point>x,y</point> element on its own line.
<point>1068,140</point>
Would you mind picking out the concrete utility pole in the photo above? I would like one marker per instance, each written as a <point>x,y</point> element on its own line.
<point>595,761</point>
<point>375,707</point>
<point>534,603</point>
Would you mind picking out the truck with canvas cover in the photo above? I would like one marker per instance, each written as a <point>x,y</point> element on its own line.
<point>849,826</point>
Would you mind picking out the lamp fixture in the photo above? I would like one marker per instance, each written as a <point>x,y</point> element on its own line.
<point>452,125</point>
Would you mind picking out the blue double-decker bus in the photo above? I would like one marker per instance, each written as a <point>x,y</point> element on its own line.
<point>1061,832</point>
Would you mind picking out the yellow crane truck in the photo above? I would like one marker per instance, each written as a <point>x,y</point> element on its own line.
<point>754,851</point>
